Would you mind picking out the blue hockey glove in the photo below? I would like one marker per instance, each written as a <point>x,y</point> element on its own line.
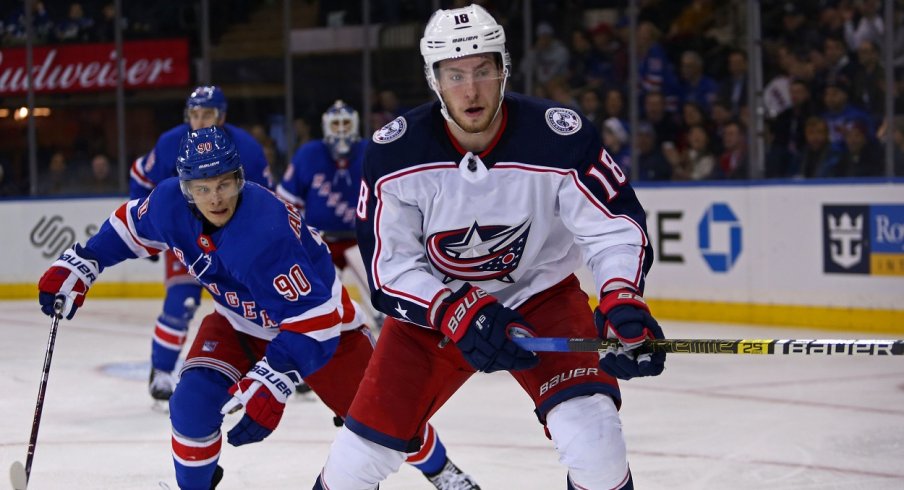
<point>482,328</point>
<point>624,315</point>
<point>69,276</point>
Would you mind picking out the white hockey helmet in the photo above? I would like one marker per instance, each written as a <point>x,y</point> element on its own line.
<point>461,32</point>
<point>340,128</point>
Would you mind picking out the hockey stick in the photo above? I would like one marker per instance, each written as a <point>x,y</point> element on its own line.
<point>721,346</point>
<point>19,474</point>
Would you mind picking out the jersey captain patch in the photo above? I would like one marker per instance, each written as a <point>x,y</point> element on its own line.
<point>563,121</point>
<point>478,253</point>
<point>391,132</point>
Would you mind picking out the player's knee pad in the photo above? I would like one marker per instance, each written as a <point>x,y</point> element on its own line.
<point>196,402</point>
<point>588,437</point>
<point>359,464</point>
<point>181,301</point>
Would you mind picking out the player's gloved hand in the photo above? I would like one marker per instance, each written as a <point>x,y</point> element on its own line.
<point>69,277</point>
<point>263,392</point>
<point>623,314</point>
<point>482,328</point>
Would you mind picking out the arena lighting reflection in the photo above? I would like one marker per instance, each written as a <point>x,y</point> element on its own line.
<point>22,112</point>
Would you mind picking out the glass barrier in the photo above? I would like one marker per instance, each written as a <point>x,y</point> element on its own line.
<point>823,101</point>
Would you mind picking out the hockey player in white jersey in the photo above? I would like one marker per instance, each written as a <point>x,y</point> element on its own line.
<point>474,213</point>
<point>280,312</point>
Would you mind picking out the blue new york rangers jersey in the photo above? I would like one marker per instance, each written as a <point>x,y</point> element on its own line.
<point>514,220</point>
<point>265,269</point>
<point>326,190</point>
<point>160,163</point>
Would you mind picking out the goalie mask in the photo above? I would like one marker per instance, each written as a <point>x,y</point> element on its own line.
<point>461,32</point>
<point>206,97</point>
<point>207,153</point>
<point>340,129</point>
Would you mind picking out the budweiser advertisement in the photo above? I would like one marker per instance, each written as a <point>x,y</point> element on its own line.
<point>92,67</point>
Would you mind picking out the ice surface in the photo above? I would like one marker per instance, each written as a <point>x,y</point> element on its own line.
<point>709,422</point>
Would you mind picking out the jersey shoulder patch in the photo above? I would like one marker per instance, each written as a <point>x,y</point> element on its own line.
<point>563,121</point>
<point>391,132</point>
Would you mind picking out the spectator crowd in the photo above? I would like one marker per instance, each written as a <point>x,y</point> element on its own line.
<point>824,86</point>
<point>823,70</point>
<point>64,21</point>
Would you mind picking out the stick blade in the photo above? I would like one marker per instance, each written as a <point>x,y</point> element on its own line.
<point>17,476</point>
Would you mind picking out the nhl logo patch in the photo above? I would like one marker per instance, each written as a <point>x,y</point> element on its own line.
<point>563,121</point>
<point>391,132</point>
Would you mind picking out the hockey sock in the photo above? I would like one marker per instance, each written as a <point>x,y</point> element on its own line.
<point>195,415</point>
<point>169,337</point>
<point>172,325</point>
<point>196,461</point>
<point>431,459</point>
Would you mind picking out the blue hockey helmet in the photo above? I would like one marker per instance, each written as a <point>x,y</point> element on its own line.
<point>340,129</point>
<point>209,96</point>
<point>205,153</point>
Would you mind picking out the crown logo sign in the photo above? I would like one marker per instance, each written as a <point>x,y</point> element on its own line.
<point>846,234</point>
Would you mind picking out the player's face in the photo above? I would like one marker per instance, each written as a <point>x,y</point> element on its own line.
<point>216,197</point>
<point>204,117</point>
<point>470,89</point>
<point>341,127</point>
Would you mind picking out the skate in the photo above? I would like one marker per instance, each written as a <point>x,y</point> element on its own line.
<point>161,384</point>
<point>217,476</point>
<point>452,478</point>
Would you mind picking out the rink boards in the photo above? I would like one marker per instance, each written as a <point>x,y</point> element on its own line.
<point>826,254</point>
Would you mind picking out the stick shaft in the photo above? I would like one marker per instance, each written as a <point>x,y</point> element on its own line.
<point>812,347</point>
<point>42,388</point>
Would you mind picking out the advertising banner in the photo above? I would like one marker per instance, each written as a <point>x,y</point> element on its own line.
<point>825,255</point>
<point>92,67</point>
<point>38,231</point>
<point>831,245</point>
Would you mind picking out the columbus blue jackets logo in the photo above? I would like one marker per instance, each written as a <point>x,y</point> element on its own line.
<point>391,132</point>
<point>478,253</point>
<point>563,121</point>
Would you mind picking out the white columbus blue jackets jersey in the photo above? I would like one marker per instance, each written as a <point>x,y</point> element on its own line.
<point>513,220</point>
<point>160,163</point>
<point>326,190</point>
<point>266,270</point>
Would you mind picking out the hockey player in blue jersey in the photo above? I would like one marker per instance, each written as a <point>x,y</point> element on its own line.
<point>324,176</point>
<point>280,312</point>
<point>205,106</point>
<point>474,213</point>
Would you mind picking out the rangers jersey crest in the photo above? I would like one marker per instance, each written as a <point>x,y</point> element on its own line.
<point>478,253</point>
<point>563,121</point>
<point>391,132</point>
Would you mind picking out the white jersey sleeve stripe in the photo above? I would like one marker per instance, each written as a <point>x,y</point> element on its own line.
<point>137,174</point>
<point>285,195</point>
<point>121,221</point>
